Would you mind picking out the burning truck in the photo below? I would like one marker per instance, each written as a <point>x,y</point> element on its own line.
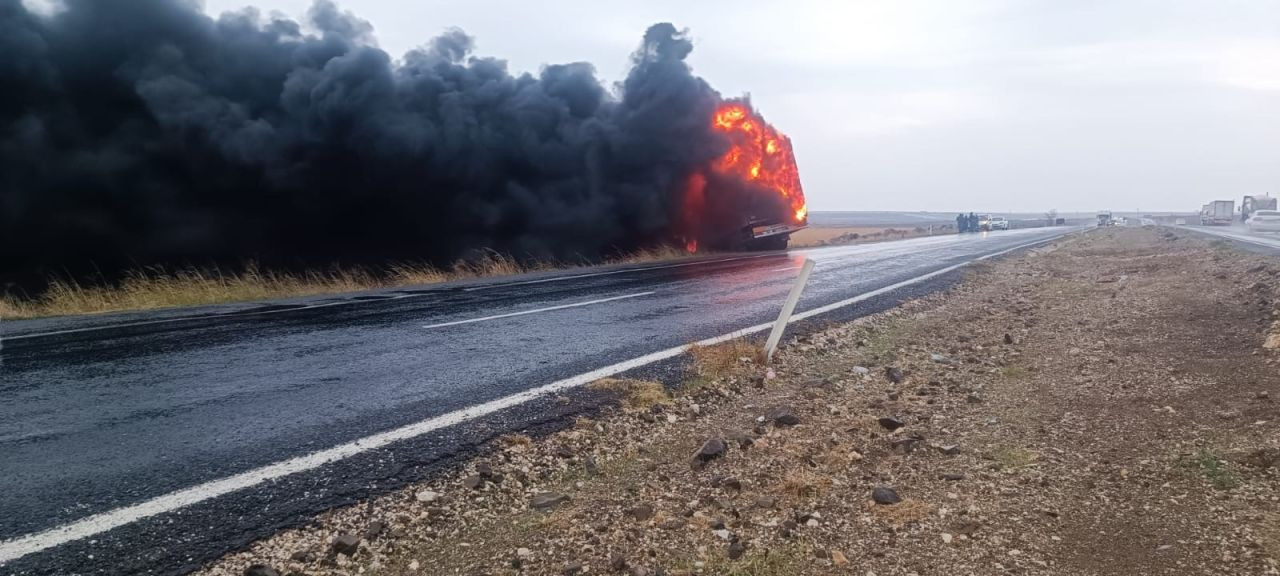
<point>750,198</point>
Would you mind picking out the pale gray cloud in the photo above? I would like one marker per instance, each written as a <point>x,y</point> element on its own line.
<point>903,104</point>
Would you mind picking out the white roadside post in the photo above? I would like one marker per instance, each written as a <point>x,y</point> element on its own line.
<point>778,327</point>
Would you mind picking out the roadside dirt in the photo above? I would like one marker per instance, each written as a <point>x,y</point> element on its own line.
<point>1101,406</point>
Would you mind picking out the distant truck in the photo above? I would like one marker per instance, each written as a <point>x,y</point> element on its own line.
<point>1218,213</point>
<point>1251,204</point>
<point>1104,219</point>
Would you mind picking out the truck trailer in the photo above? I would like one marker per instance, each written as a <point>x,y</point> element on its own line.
<point>1218,213</point>
<point>1251,204</point>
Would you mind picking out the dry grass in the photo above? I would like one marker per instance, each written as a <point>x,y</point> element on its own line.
<point>905,512</point>
<point>636,394</point>
<point>802,484</point>
<point>162,288</point>
<point>720,360</point>
<point>1009,458</point>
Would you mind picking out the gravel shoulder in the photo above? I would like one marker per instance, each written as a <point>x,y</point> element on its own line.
<point>1104,405</point>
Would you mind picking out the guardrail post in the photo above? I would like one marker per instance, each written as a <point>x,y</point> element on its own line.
<point>787,308</point>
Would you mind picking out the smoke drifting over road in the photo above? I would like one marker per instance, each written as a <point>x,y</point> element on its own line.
<point>136,132</point>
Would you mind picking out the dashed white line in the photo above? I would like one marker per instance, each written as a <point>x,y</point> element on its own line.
<point>537,310</point>
<point>104,521</point>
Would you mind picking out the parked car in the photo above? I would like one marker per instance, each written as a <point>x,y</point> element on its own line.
<point>999,223</point>
<point>1264,221</point>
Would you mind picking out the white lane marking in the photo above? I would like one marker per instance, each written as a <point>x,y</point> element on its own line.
<point>785,268</point>
<point>612,272</point>
<point>537,310</point>
<point>104,521</point>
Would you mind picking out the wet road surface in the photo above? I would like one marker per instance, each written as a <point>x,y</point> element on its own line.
<point>103,418</point>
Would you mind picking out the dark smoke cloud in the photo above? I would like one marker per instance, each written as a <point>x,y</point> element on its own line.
<point>137,132</point>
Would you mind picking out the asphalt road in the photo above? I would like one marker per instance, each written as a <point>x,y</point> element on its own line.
<point>153,442</point>
<point>1265,243</point>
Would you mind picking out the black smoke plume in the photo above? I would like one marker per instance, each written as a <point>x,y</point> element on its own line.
<point>141,132</point>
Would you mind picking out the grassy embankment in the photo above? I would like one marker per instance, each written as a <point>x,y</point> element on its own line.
<point>158,288</point>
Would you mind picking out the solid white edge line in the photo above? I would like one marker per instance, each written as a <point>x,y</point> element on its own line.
<point>104,521</point>
<point>537,310</point>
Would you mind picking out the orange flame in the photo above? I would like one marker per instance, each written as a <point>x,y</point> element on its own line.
<point>759,154</point>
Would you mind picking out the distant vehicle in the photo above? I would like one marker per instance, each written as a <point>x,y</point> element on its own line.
<point>1146,222</point>
<point>984,222</point>
<point>1251,204</point>
<point>998,223</point>
<point>1218,213</point>
<point>1104,219</point>
<point>1265,221</point>
<point>1180,222</point>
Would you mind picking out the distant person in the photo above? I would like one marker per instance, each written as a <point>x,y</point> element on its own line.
<point>961,223</point>
<point>973,222</point>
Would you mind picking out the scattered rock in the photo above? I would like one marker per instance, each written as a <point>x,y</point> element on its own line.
<point>949,449</point>
<point>346,544</point>
<point>904,445</point>
<point>260,570</point>
<point>946,538</point>
<point>1009,339</point>
<point>894,374</point>
<point>973,399</point>
<point>375,529</point>
<point>861,370</point>
<point>543,500</point>
<point>838,558</point>
<point>641,512</point>
<point>953,477</point>
<point>885,495</point>
<point>731,483</point>
<point>674,523</point>
<point>617,562</point>
<point>737,549</point>
<point>783,416</point>
<point>427,496</point>
<point>473,482</point>
<point>304,556</point>
<point>1264,395</point>
<point>743,439</point>
<point>484,469</point>
<point>564,451</point>
<point>939,359</point>
<point>765,501</point>
<point>572,568</point>
<point>711,449</point>
<point>891,423</point>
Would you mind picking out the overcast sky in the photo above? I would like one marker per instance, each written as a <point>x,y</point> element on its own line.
<point>985,105</point>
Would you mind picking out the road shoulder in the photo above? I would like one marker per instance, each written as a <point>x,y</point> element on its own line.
<point>1102,405</point>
